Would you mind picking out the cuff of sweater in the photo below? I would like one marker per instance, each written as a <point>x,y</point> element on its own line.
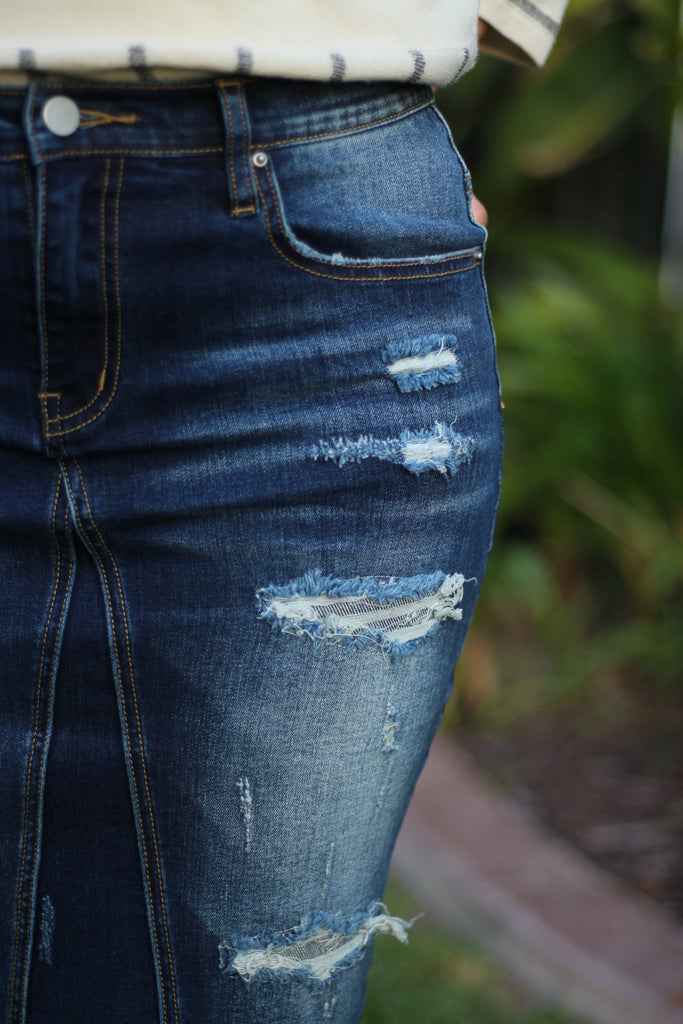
<point>521,30</point>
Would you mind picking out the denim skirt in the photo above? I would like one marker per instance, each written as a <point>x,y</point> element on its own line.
<point>250,447</point>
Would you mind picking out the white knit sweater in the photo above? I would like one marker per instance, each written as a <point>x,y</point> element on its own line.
<point>431,41</point>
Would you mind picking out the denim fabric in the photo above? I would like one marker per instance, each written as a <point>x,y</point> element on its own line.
<point>250,449</point>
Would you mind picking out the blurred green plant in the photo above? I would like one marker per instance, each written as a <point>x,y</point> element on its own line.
<point>589,566</point>
<point>438,980</point>
<point>615,63</point>
<point>591,363</point>
<point>585,585</point>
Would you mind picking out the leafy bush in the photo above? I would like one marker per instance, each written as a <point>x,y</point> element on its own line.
<point>585,583</point>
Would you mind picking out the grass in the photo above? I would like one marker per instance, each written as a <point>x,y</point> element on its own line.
<point>437,979</point>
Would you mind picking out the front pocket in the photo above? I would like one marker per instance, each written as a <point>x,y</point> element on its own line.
<point>391,202</point>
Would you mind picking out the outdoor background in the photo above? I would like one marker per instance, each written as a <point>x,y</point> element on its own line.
<point>570,689</point>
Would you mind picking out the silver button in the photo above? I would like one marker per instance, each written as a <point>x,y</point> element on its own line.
<point>259,159</point>
<point>61,115</point>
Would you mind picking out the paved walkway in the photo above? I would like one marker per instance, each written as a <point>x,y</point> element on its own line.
<point>563,926</point>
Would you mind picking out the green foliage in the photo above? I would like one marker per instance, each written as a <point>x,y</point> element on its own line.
<point>586,579</point>
<point>615,64</point>
<point>585,585</point>
<point>436,980</point>
<point>591,365</point>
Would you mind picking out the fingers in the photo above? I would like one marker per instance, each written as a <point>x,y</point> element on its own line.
<point>479,212</point>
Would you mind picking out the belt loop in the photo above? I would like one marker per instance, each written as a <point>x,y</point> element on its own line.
<point>241,185</point>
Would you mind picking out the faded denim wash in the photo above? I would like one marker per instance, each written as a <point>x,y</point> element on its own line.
<point>250,445</point>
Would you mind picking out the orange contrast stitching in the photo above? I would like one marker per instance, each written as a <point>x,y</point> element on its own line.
<point>245,131</point>
<point>345,131</point>
<point>123,151</point>
<point>339,276</point>
<point>231,147</point>
<point>138,723</point>
<point>44,393</point>
<point>117,295</point>
<point>125,722</point>
<point>96,118</point>
<point>105,189</point>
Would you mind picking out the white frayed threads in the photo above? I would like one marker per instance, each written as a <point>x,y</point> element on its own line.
<point>401,621</point>
<point>389,745</point>
<point>390,729</point>
<point>321,954</point>
<point>435,452</point>
<point>428,362</point>
<point>246,809</point>
<point>328,873</point>
<point>328,1008</point>
<point>435,449</point>
<point>438,360</point>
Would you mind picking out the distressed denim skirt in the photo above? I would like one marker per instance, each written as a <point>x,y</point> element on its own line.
<point>250,446</point>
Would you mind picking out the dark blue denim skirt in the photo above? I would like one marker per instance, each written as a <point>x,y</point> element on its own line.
<point>250,447</point>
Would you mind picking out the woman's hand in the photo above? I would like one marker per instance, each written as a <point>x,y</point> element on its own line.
<point>479,212</point>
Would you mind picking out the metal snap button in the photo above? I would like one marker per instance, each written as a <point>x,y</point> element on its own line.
<point>61,115</point>
<point>259,159</point>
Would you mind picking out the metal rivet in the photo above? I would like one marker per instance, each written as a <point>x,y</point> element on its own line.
<point>61,116</point>
<point>259,159</point>
<point>478,255</point>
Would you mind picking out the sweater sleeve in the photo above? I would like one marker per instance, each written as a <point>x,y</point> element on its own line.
<point>521,30</point>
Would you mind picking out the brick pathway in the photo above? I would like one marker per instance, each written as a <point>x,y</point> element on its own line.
<point>562,925</point>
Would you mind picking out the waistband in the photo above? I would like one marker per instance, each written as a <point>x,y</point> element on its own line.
<point>181,118</point>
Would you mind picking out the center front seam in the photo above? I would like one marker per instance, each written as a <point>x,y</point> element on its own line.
<point>136,764</point>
